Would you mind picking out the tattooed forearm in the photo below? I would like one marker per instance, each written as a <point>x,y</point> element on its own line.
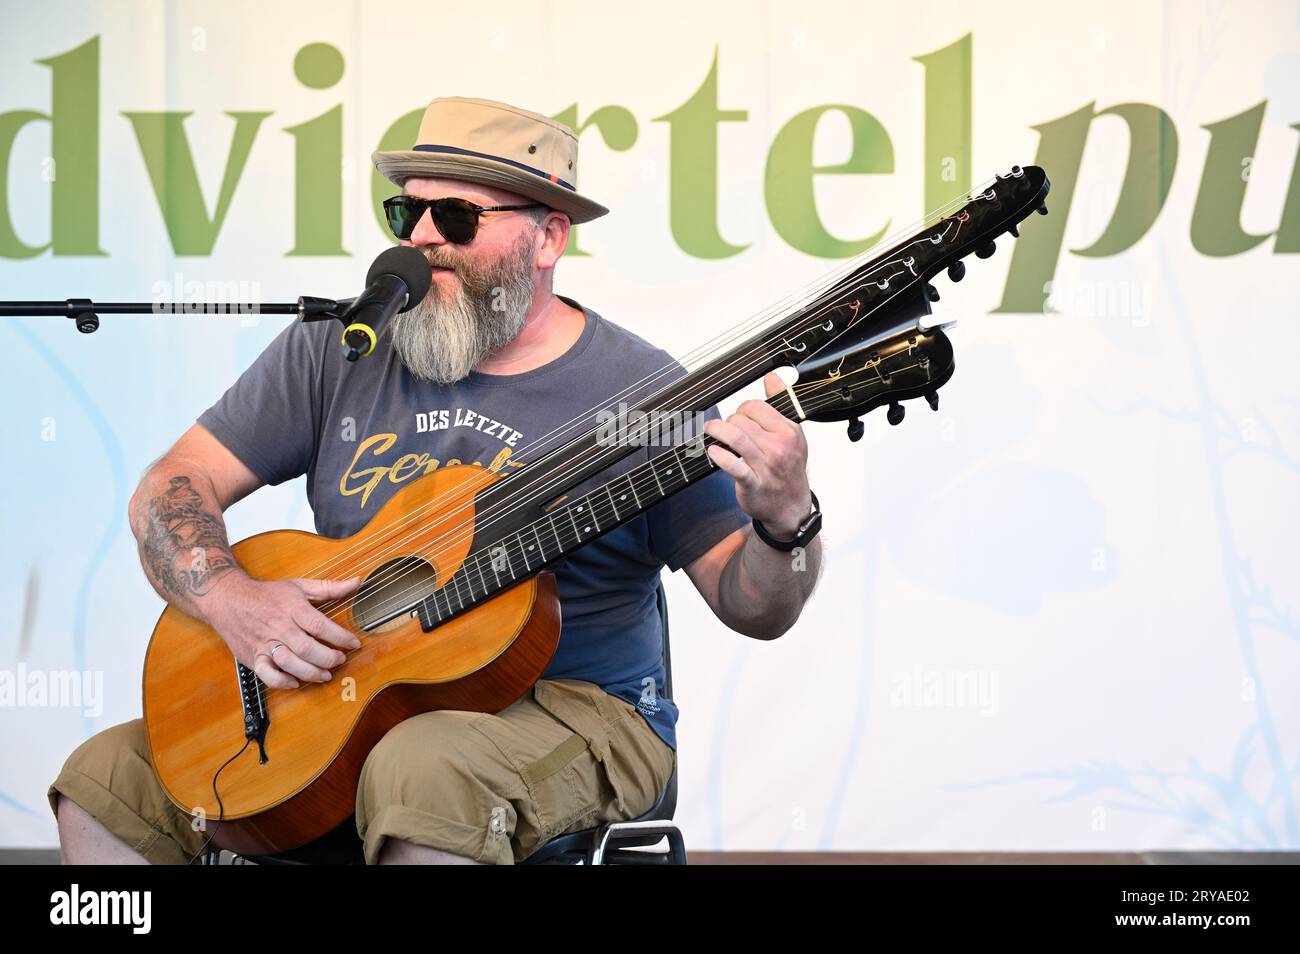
<point>183,545</point>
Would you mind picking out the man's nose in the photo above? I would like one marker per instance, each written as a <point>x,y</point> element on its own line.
<point>425,232</point>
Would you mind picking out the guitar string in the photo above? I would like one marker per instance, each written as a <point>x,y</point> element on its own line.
<point>815,404</point>
<point>641,482</point>
<point>510,506</point>
<point>453,537</point>
<point>476,524</point>
<point>263,688</point>
<point>479,522</point>
<point>815,288</point>
<point>442,545</point>
<point>577,463</point>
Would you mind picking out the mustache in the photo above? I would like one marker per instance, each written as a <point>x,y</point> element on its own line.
<point>437,259</point>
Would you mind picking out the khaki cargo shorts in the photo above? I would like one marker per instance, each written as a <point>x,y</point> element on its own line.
<point>494,788</point>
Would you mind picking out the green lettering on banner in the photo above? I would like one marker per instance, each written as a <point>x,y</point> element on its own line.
<point>618,129</point>
<point>318,159</point>
<point>1153,155</point>
<point>74,152</point>
<point>1288,231</point>
<point>791,202</point>
<point>1216,217</point>
<point>693,170</point>
<point>401,135</point>
<point>947,123</point>
<point>167,156</point>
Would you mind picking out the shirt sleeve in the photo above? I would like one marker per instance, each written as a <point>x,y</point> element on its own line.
<point>689,523</point>
<point>270,417</point>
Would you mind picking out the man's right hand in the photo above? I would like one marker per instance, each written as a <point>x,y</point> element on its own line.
<point>256,616</point>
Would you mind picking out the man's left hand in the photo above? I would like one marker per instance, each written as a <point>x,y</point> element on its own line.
<point>770,462</point>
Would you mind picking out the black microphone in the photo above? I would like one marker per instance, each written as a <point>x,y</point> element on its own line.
<point>397,281</point>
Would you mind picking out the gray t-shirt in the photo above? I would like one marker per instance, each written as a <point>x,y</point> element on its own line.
<point>361,431</point>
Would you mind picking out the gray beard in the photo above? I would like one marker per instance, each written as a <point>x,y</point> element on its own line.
<point>453,330</point>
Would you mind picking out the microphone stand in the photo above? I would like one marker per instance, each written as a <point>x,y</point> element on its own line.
<point>358,339</point>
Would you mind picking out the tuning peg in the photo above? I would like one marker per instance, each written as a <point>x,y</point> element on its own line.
<point>987,251</point>
<point>931,292</point>
<point>932,399</point>
<point>856,429</point>
<point>957,271</point>
<point>895,413</point>
<point>1042,210</point>
<point>1015,232</point>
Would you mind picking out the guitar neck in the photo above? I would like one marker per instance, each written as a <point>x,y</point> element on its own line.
<point>802,331</point>
<point>525,551</point>
<point>526,522</point>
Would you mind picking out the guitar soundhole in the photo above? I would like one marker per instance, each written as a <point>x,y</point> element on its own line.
<point>389,587</point>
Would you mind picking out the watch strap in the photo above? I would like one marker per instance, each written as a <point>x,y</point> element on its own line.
<point>804,535</point>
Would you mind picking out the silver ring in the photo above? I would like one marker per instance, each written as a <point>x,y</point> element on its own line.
<point>274,649</point>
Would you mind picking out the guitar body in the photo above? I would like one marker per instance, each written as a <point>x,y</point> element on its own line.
<point>320,733</point>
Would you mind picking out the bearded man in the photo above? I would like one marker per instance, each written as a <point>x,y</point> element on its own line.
<point>491,367</point>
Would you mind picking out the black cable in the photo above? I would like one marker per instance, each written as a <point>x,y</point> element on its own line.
<point>221,808</point>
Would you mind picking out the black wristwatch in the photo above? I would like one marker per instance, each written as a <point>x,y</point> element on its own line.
<point>803,536</point>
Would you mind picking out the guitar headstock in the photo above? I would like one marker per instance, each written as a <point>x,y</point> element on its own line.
<point>865,345</point>
<point>843,384</point>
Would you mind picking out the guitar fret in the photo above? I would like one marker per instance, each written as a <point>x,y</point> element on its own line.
<point>559,544</point>
<point>699,462</point>
<point>609,490</point>
<point>656,477</point>
<point>603,512</point>
<point>523,553</point>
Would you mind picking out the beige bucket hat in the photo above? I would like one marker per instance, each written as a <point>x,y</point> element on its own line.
<point>496,144</point>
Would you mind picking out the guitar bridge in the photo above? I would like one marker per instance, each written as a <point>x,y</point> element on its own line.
<point>252,695</point>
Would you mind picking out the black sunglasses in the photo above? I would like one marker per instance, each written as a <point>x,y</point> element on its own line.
<point>455,219</point>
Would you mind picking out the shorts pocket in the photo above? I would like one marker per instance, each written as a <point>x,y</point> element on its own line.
<point>578,706</point>
<point>563,795</point>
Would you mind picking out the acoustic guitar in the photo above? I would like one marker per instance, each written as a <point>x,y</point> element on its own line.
<point>457,609</point>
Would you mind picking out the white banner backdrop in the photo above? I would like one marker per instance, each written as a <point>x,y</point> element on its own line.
<point>1061,613</point>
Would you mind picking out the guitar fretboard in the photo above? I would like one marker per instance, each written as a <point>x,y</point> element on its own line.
<point>525,552</point>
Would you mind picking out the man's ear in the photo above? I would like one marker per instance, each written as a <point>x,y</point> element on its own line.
<point>555,231</point>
